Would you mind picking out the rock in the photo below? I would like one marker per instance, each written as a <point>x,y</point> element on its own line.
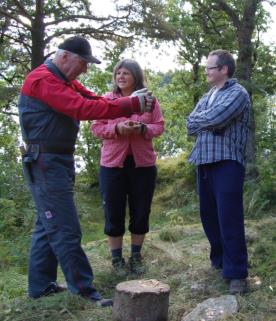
<point>213,309</point>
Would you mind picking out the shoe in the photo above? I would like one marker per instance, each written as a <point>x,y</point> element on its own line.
<point>104,303</point>
<point>95,297</point>
<point>61,288</point>
<point>119,266</point>
<point>136,264</point>
<point>238,286</point>
<point>53,288</point>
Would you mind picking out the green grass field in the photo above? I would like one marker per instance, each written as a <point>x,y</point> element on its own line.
<point>175,252</point>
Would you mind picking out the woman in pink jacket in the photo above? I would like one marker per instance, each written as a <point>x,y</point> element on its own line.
<point>128,171</point>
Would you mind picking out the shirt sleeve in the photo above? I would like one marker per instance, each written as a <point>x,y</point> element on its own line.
<point>220,113</point>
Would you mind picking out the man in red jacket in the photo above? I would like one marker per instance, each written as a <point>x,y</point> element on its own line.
<point>51,104</point>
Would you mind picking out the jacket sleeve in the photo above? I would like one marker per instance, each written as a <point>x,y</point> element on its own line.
<point>156,126</point>
<point>219,114</point>
<point>104,129</point>
<point>61,97</point>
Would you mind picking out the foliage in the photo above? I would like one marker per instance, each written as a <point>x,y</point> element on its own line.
<point>264,72</point>
<point>175,102</point>
<point>10,221</point>
<point>9,160</point>
<point>88,153</point>
<point>267,180</point>
<point>32,26</point>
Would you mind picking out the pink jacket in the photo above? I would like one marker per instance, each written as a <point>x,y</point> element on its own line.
<point>115,148</point>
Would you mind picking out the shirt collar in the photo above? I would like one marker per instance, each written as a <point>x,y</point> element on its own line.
<point>229,82</point>
<point>54,69</point>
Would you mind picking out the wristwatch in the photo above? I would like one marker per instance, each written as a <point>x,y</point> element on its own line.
<point>143,128</point>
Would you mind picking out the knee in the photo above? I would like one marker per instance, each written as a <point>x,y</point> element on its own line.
<point>114,230</point>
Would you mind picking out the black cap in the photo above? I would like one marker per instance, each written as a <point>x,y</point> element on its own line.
<point>81,47</point>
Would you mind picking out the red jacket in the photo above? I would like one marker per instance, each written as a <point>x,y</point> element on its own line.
<point>50,106</point>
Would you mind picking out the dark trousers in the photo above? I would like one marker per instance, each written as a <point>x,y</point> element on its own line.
<point>131,184</point>
<point>221,209</point>
<point>57,234</point>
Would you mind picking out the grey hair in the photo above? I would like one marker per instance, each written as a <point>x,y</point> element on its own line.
<point>59,52</point>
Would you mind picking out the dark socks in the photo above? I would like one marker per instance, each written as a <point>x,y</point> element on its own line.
<point>136,248</point>
<point>116,253</point>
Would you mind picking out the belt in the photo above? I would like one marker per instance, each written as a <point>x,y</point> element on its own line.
<point>51,149</point>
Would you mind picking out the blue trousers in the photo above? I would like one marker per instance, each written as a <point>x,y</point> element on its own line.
<point>221,209</point>
<point>57,234</point>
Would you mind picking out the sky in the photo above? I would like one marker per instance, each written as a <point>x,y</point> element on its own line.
<point>165,57</point>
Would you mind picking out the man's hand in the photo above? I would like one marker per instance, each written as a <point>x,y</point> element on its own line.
<point>146,99</point>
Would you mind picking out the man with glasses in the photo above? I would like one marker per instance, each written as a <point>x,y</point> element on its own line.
<point>220,123</point>
<point>51,104</point>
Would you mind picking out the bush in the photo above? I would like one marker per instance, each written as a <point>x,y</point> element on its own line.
<point>10,220</point>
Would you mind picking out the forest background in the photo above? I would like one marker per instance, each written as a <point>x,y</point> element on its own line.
<point>29,33</point>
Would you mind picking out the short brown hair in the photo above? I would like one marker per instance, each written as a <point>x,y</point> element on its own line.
<point>225,59</point>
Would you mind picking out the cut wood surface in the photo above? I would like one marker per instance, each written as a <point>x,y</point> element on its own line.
<point>141,300</point>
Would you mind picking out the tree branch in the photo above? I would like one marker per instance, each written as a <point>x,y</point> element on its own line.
<point>9,113</point>
<point>22,10</point>
<point>16,18</point>
<point>230,12</point>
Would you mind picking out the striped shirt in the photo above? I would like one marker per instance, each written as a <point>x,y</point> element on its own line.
<point>221,126</point>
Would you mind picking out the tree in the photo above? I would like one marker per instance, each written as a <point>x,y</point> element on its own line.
<point>246,17</point>
<point>205,25</point>
<point>32,26</point>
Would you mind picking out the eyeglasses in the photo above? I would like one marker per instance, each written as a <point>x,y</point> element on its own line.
<point>210,68</point>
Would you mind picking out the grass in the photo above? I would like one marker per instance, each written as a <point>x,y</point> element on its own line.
<point>181,262</point>
<point>175,252</point>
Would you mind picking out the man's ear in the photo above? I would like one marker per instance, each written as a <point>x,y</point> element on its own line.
<point>65,54</point>
<point>224,70</point>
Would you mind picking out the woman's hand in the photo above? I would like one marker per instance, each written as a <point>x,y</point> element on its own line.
<point>130,127</point>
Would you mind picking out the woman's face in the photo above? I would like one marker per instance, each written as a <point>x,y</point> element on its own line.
<point>125,81</point>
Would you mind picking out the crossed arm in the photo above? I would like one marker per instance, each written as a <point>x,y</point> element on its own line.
<point>219,114</point>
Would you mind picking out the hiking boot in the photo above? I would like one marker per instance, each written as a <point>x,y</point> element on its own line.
<point>238,286</point>
<point>135,264</point>
<point>53,288</point>
<point>104,303</point>
<point>95,297</point>
<point>119,266</point>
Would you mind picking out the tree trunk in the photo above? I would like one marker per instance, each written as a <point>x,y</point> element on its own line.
<point>141,300</point>
<point>195,81</point>
<point>38,33</point>
<point>245,28</point>
<point>244,73</point>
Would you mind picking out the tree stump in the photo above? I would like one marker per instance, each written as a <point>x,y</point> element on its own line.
<point>141,300</point>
